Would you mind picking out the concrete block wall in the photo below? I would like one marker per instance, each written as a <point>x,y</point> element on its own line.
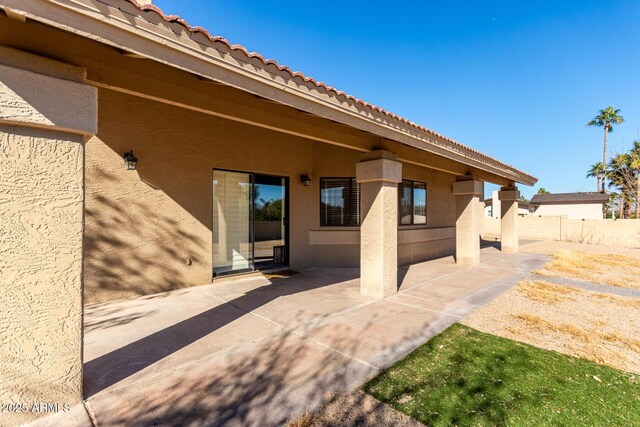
<point>607,232</point>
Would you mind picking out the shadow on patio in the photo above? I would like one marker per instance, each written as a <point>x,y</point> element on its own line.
<point>254,352</point>
<point>111,368</point>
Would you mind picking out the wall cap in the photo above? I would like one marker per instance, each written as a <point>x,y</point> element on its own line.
<point>379,170</point>
<point>468,187</point>
<point>509,195</point>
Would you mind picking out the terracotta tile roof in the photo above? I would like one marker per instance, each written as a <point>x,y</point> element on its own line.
<point>592,197</point>
<point>283,68</point>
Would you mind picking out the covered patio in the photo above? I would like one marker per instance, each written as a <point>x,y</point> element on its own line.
<point>348,193</point>
<point>256,351</point>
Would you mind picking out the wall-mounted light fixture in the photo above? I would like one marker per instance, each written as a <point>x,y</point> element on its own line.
<point>130,161</point>
<point>305,180</point>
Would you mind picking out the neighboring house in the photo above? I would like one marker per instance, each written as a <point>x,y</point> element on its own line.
<point>233,163</point>
<point>492,206</point>
<point>572,205</point>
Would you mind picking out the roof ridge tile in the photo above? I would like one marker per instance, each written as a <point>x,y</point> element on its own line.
<point>236,47</point>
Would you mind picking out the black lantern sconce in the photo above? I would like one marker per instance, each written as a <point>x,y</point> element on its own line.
<point>130,161</point>
<point>305,180</point>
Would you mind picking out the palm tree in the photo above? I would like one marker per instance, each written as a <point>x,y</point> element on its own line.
<point>634,164</point>
<point>618,173</point>
<point>606,118</point>
<point>613,196</point>
<point>543,190</point>
<point>596,171</point>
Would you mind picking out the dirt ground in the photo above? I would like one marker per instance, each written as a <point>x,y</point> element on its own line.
<point>548,247</point>
<point>592,325</point>
<point>609,269</point>
<point>356,409</point>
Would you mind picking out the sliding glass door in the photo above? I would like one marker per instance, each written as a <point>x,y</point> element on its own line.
<point>270,220</point>
<point>250,224</point>
<point>232,222</point>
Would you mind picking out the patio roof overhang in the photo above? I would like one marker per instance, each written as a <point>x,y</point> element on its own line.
<point>144,32</point>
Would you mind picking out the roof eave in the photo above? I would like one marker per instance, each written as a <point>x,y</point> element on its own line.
<point>175,44</point>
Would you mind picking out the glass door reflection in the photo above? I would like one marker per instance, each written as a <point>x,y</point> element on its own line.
<point>250,224</point>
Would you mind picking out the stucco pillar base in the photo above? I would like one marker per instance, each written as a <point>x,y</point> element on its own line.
<point>379,174</point>
<point>44,123</point>
<point>468,191</point>
<point>509,218</point>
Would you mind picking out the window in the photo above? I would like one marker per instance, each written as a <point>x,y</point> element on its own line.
<point>339,202</point>
<point>412,202</point>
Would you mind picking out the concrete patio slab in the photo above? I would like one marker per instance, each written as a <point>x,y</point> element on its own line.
<point>452,308</point>
<point>144,316</point>
<point>261,385</point>
<point>213,331</point>
<point>256,352</point>
<point>419,274</point>
<point>378,333</point>
<point>292,308</point>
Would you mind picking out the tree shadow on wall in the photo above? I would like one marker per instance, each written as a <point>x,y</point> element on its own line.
<point>132,249</point>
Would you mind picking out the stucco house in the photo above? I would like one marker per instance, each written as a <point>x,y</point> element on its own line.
<point>588,205</point>
<point>492,206</point>
<point>139,154</point>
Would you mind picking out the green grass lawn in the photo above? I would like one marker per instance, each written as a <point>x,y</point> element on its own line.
<point>466,377</point>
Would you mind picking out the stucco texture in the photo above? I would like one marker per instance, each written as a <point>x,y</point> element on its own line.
<point>41,205</point>
<point>379,179</point>
<point>149,230</point>
<point>606,232</point>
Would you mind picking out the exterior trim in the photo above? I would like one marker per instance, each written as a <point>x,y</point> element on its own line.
<point>171,41</point>
<point>405,237</point>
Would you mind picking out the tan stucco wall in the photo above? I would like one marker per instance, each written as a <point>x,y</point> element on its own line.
<point>489,226</point>
<point>608,232</point>
<point>379,174</point>
<point>46,114</point>
<point>40,268</point>
<point>144,227</point>
<point>468,192</point>
<point>138,239</point>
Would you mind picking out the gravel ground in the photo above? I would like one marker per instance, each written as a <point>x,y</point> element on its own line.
<point>547,247</point>
<point>622,271</point>
<point>592,325</point>
<point>359,410</point>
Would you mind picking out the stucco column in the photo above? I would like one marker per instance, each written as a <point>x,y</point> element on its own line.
<point>468,191</point>
<point>509,218</point>
<point>44,123</point>
<point>379,174</point>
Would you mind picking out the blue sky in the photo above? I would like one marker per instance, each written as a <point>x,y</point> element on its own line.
<point>517,80</point>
